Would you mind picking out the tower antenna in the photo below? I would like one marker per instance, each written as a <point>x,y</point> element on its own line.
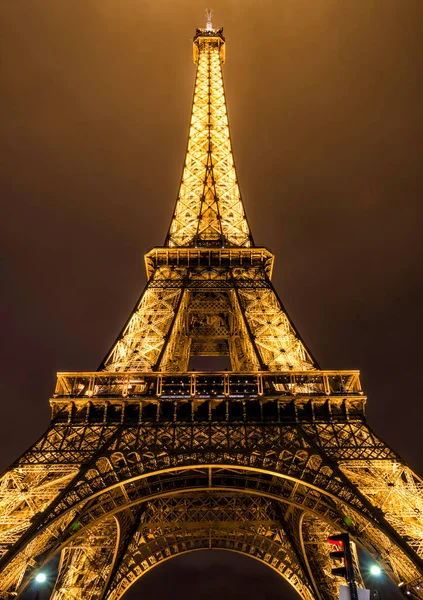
<point>209,14</point>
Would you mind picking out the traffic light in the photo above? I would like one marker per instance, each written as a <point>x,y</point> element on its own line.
<point>342,541</point>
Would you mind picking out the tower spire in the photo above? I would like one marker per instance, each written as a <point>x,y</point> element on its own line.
<point>209,14</point>
<point>209,210</point>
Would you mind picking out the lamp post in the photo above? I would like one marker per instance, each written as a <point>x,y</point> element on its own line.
<point>40,578</point>
<point>375,571</point>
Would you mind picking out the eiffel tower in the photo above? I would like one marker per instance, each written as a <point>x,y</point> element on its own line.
<point>146,459</point>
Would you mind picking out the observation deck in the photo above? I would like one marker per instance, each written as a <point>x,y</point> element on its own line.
<point>208,396</point>
<point>214,36</point>
<point>226,258</point>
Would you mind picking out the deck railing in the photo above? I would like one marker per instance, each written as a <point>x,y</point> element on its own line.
<point>195,384</point>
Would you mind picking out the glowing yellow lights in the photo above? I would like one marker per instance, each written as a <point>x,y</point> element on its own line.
<point>209,215</point>
<point>148,458</point>
<point>209,208</point>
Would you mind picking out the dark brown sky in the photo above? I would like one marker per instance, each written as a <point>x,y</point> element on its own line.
<point>325,103</point>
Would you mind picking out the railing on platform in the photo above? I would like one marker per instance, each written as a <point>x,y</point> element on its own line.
<point>221,384</point>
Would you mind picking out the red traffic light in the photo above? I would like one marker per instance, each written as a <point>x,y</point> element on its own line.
<point>341,539</point>
<point>342,555</point>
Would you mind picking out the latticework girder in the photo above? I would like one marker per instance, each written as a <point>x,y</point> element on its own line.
<point>235,522</point>
<point>86,563</point>
<point>397,491</point>
<point>145,459</point>
<point>209,209</point>
<point>209,311</point>
<point>25,492</point>
<point>141,342</point>
<point>278,344</point>
<point>263,460</point>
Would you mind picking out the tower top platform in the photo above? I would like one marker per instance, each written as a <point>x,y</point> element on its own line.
<point>208,35</point>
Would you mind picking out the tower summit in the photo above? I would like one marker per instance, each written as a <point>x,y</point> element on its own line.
<point>209,210</point>
<point>146,458</point>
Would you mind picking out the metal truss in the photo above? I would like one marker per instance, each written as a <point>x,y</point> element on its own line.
<point>239,523</point>
<point>25,492</point>
<point>277,342</point>
<point>245,320</point>
<point>297,465</point>
<point>209,208</point>
<point>145,460</point>
<point>397,491</point>
<point>140,344</point>
<point>85,564</point>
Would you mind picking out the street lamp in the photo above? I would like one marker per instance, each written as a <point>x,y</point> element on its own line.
<point>40,578</point>
<point>375,571</point>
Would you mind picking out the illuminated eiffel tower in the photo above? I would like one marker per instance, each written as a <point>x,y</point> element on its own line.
<point>145,459</point>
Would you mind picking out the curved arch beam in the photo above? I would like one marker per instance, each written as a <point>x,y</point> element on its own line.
<point>293,468</point>
<point>196,521</point>
<point>88,490</point>
<point>332,514</point>
<point>172,480</point>
<point>118,594</point>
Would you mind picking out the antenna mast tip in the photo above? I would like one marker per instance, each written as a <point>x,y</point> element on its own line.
<point>209,14</point>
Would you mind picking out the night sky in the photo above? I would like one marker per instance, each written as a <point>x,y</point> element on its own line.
<point>325,105</point>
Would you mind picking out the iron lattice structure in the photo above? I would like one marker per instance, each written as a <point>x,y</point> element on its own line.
<point>144,459</point>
